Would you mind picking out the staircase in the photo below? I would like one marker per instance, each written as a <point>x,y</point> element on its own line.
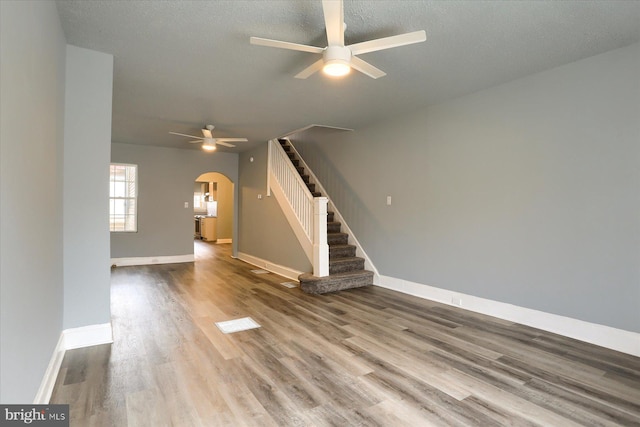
<point>346,270</point>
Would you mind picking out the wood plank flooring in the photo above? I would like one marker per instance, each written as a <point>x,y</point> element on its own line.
<point>362,357</point>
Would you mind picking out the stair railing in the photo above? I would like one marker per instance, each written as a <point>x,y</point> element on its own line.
<point>307,215</point>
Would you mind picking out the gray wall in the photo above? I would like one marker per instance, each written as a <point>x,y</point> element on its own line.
<point>526,193</point>
<point>166,177</point>
<point>32,70</point>
<point>264,231</point>
<point>87,144</point>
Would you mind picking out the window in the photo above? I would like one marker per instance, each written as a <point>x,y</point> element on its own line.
<point>198,198</point>
<point>200,192</point>
<point>123,197</point>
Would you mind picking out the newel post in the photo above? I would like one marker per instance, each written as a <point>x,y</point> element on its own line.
<point>320,245</point>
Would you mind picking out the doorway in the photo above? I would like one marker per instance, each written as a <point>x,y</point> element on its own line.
<point>213,208</point>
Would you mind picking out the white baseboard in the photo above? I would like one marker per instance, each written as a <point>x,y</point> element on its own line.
<point>85,336</point>
<point>169,259</point>
<point>287,272</point>
<point>51,374</point>
<point>219,241</point>
<point>605,336</point>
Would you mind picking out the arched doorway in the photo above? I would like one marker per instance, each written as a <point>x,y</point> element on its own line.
<point>213,204</point>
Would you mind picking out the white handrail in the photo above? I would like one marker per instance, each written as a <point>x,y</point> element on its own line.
<point>310,224</point>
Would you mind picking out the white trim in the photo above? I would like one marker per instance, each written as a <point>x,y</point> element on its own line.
<point>605,336</point>
<point>287,272</point>
<point>149,260</point>
<point>306,128</point>
<point>51,374</point>
<point>222,241</point>
<point>85,336</point>
<point>268,168</point>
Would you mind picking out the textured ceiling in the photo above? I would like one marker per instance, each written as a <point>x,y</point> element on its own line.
<point>179,65</point>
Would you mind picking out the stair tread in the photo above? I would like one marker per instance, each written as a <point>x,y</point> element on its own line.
<point>335,282</point>
<point>333,227</point>
<point>345,259</point>
<point>352,273</point>
<point>334,238</point>
<point>341,250</point>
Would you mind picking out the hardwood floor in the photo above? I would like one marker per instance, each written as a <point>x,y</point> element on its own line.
<point>362,357</point>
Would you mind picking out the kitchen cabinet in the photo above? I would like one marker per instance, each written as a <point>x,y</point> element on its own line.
<point>208,228</point>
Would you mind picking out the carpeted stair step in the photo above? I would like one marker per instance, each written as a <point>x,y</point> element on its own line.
<point>335,282</point>
<point>316,194</point>
<point>333,227</point>
<point>310,186</point>
<point>341,251</point>
<point>305,178</point>
<point>342,265</point>
<point>330,216</point>
<point>291,155</point>
<point>300,170</point>
<point>337,238</point>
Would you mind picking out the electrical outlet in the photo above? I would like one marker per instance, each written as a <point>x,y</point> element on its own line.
<point>388,200</point>
<point>186,205</point>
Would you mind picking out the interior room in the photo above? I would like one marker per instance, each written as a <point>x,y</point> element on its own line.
<point>416,212</point>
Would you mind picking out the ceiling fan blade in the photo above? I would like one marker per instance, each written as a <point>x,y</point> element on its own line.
<point>184,134</point>
<point>388,42</point>
<point>224,143</point>
<point>197,141</point>
<point>285,45</point>
<point>316,66</point>
<point>231,140</point>
<point>366,68</point>
<point>334,21</point>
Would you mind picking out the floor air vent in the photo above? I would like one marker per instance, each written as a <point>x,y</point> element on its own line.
<point>237,325</point>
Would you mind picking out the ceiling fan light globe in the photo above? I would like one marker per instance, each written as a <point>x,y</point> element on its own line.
<point>337,61</point>
<point>209,146</point>
<point>336,68</point>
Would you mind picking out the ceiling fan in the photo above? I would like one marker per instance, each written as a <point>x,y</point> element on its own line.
<point>208,141</point>
<point>338,59</point>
